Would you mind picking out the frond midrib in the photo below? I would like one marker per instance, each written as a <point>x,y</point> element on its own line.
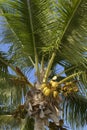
<point>33,39</point>
<point>68,23</point>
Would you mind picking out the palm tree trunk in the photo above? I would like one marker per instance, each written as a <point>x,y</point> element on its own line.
<point>39,123</point>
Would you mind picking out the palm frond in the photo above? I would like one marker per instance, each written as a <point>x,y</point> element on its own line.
<point>74,47</point>
<point>19,29</point>
<point>75,110</point>
<point>6,119</point>
<point>10,122</point>
<point>8,93</point>
<point>15,69</point>
<point>3,66</point>
<point>53,19</point>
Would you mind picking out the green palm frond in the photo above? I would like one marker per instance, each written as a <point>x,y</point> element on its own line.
<point>9,93</point>
<point>75,107</point>
<point>19,29</point>
<point>46,24</point>
<point>74,47</point>
<point>3,66</point>
<point>10,121</point>
<point>6,119</point>
<point>7,63</point>
<point>73,40</point>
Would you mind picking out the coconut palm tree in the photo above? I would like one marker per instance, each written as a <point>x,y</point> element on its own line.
<point>43,35</point>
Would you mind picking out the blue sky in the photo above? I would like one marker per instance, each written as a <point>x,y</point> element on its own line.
<point>4,47</point>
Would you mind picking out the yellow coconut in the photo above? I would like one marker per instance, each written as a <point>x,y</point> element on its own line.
<point>55,94</point>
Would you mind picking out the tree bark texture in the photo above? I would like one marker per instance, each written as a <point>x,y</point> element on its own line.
<point>39,123</point>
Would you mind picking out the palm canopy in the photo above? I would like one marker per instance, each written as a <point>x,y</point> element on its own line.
<point>48,32</point>
<point>46,26</point>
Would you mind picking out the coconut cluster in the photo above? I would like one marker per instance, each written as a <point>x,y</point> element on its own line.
<point>53,88</point>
